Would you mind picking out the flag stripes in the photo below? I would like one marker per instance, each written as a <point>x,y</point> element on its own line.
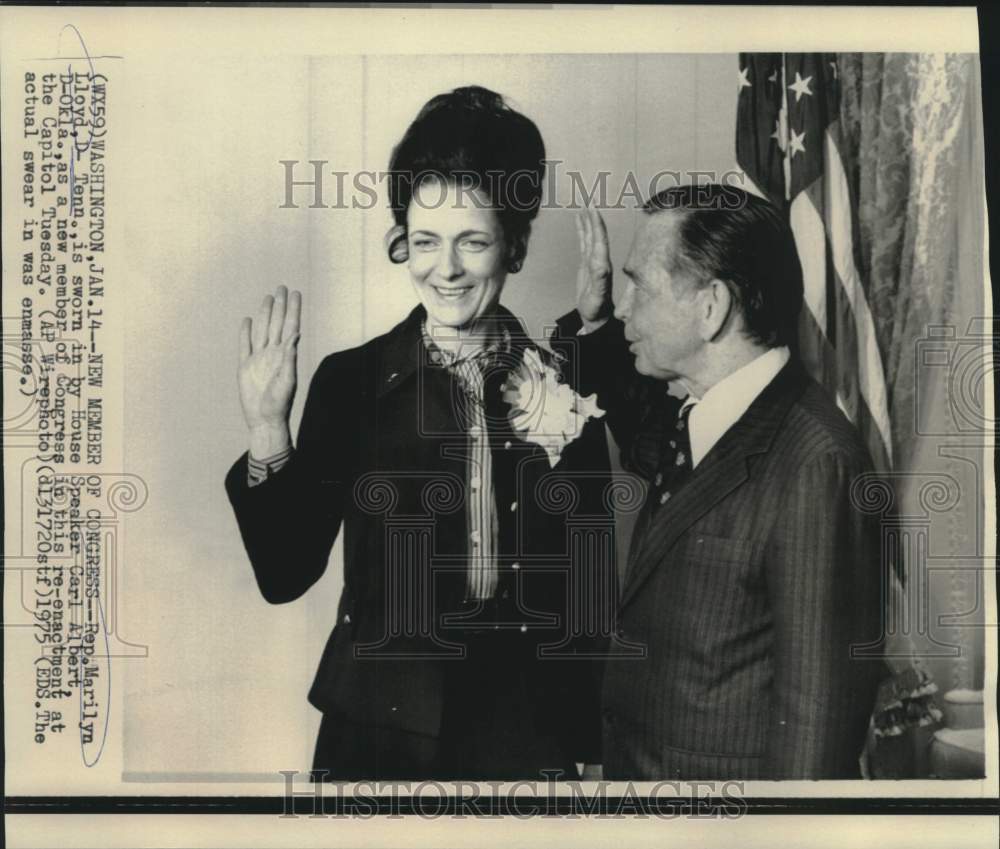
<point>787,142</point>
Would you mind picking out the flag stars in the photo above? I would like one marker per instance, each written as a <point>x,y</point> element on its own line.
<point>796,143</point>
<point>744,78</point>
<point>774,76</point>
<point>800,86</point>
<point>833,69</point>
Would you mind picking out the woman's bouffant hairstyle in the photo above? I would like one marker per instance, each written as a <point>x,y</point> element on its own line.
<point>472,138</point>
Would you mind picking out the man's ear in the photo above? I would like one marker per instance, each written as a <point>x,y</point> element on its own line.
<point>716,303</point>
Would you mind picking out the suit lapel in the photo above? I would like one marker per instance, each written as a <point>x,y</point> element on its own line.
<point>720,472</point>
<point>716,476</point>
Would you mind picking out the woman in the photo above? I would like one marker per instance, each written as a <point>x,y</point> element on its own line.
<point>457,652</point>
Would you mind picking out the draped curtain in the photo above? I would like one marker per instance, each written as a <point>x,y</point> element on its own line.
<point>911,125</point>
<point>914,125</point>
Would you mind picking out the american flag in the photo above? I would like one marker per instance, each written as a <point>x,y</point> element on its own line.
<point>788,142</point>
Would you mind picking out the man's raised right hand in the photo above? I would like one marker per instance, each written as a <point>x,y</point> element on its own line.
<point>594,277</point>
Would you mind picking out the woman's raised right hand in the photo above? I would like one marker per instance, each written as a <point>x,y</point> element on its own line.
<point>267,371</point>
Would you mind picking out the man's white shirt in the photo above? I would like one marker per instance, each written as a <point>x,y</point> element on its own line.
<point>725,402</point>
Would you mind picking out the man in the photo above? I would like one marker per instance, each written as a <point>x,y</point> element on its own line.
<point>751,574</point>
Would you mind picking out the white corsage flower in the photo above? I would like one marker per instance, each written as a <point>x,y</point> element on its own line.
<point>545,410</point>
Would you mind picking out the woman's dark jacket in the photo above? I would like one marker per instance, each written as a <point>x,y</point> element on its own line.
<point>381,451</point>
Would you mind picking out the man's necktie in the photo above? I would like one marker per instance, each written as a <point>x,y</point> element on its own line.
<point>675,469</point>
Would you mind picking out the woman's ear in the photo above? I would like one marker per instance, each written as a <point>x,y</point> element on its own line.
<point>396,245</point>
<point>716,303</point>
<point>517,251</point>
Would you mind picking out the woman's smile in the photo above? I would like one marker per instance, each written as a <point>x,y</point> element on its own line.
<point>452,293</point>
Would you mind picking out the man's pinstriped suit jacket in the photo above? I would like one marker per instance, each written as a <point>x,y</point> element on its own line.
<point>745,592</point>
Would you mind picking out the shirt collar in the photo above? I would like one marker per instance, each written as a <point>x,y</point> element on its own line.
<point>725,403</point>
<point>496,343</point>
<point>399,352</point>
